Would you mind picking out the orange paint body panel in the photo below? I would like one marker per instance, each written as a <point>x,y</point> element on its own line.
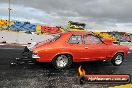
<point>80,52</point>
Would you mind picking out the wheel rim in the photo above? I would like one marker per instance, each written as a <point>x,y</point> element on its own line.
<point>62,61</point>
<point>118,59</point>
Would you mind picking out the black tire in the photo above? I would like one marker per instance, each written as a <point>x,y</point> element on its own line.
<point>119,57</point>
<point>68,59</point>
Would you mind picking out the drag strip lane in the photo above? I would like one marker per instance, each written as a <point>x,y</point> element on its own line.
<point>44,75</point>
<point>9,52</point>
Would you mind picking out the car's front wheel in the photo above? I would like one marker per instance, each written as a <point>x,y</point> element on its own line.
<point>117,59</point>
<point>62,61</point>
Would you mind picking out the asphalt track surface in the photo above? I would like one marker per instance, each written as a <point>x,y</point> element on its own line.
<point>43,75</point>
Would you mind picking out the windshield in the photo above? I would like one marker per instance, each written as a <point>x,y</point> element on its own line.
<point>55,37</point>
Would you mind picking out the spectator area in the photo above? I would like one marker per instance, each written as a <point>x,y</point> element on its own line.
<point>42,29</point>
<point>28,27</point>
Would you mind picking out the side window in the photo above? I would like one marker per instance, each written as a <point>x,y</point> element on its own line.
<point>90,39</point>
<point>75,39</point>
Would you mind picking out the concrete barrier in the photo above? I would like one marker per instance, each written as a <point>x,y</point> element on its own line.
<point>128,44</point>
<point>21,38</point>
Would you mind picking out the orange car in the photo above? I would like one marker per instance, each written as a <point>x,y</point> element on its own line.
<point>65,48</point>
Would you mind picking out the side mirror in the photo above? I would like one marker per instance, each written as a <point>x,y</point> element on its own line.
<point>107,42</point>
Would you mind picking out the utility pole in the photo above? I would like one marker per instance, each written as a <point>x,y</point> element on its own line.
<point>9,16</point>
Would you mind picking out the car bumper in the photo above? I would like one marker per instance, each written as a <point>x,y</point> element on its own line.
<point>28,53</point>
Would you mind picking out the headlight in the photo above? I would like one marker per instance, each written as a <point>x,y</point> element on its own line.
<point>34,55</point>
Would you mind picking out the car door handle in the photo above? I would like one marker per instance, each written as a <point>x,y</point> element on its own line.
<point>86,47</point>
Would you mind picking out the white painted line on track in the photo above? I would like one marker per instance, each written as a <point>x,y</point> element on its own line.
<point>14,45</point>
<point>9,48</point>
<point>23,45</point>
<point>3,44</point>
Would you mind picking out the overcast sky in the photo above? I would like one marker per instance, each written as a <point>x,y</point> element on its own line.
<point>99,15</point>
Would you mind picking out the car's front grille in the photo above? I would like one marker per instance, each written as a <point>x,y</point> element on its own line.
<point>27,54</point>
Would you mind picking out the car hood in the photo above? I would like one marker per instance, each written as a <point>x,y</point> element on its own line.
<point>38,44</point>
<point>42,43</point>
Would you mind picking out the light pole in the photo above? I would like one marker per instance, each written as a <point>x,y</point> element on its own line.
<point>9,15</point>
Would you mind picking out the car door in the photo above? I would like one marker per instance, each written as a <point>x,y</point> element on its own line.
<point>95,48</point>
<point>76,47</point>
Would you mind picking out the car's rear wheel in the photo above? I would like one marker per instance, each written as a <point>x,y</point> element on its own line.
<point>62,61</point>
<point>117,59</point>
